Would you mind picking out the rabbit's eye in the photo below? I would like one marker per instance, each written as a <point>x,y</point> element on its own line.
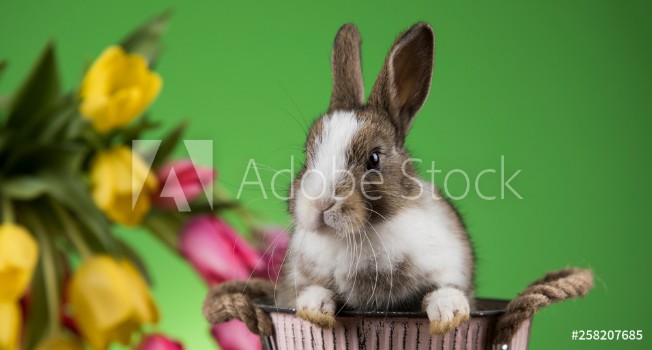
<point>374,160</point>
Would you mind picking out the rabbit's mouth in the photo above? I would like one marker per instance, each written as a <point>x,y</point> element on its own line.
<point>328,220</point>
<point>333,216</point>
<point>342,218</point>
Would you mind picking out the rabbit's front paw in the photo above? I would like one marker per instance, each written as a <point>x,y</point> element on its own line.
<point>315,304</point>
<point>446,308</point>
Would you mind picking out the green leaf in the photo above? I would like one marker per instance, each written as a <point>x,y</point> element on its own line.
<point>77,127</point>
<point>146,39</point>
<point>24,188</point>
<point>129,253</point>
<point>168,144</point>
<point>165,227</point>
<point>4,137</point>
<point>72,194</point>
<point>47,284</point>
<point>39,92</point>
<point>64,158</point>
<point>57,123</point>
<point>134,131</point>
<point>37,317</point>
<point>4,100</point>
<point>3,65</point>
<point>202,205</point>
<point>48,124</point>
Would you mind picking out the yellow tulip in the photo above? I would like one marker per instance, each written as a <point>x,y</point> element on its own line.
<point>18,257</point>
<point>58,342</point>
<point>110,300</point>
<point>117,88</point>
<point>10,321</point>
<point>116,175</point>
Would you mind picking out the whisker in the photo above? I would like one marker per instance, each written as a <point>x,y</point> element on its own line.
<point>303,126</point>
<point>294,103</point>
<point>287,252</point>
<point>355,275</point>
<point>373,252</point>
<point>389,260</point>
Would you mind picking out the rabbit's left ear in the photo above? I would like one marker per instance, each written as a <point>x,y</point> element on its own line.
<point>348,88</point>
<point>404,81</point>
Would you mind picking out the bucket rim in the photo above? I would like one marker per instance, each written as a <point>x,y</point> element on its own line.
<point>487,307</point>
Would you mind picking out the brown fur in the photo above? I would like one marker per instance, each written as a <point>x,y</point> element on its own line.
<point>404,81</point>
<point>320,319</point>
<point>348,88</point>
<point>441,327</point>
<point>406,294</point>
<point>327,282</point>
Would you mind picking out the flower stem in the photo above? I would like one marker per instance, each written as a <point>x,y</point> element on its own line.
<point>162,231</point>
<point>72,230</point>
<point>7,211</point>
<point>245,215</point>
<point>94,139</point>
<point>49,274</point>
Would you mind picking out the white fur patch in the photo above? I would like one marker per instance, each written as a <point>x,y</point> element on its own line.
<point>329,164</point>
<point>446,303</point>
<point>316,298</point>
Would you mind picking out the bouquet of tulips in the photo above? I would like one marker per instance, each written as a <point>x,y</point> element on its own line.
<point>69,173</point>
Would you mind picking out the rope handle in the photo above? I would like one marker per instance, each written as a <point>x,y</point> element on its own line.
<point>553,287</point>
<point>234,299</point>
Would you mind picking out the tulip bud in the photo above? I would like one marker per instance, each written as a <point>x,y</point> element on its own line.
<point>181,182</point>
<point>18,258</point>
<point>109,301</point>
<point>276,245</point>
<point>234,335</point>
<point>158,342</point>
<point>116,176</point>
<point>117,88</point>
<point>10,324</point>
<point>216,251</point>
<point>59,342</point>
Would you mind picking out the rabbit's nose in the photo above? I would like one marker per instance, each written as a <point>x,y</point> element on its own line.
<point>326,214</point>
<point>325,204</point>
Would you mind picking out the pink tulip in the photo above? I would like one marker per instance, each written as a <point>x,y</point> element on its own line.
<point>276,244</point>
<point>234,335</point>
<point>158,342</point>
<point>190,182</point>
<point>216,251</point>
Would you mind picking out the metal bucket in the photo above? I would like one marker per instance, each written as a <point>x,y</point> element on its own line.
<point>389,330</point>
<point>495,325</point>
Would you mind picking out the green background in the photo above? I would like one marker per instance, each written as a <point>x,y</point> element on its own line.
<point>562,89</point>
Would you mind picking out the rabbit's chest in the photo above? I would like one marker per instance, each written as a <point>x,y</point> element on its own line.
<point>380,283</point>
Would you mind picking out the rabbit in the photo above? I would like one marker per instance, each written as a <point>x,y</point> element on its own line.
<point>368,233</point>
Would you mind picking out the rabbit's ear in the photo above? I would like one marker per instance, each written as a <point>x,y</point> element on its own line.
<point>404,81</point>
<point>348,89</point>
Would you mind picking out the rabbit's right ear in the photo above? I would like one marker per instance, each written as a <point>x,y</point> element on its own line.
<point>348,88</point>
<point>404,82</point>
